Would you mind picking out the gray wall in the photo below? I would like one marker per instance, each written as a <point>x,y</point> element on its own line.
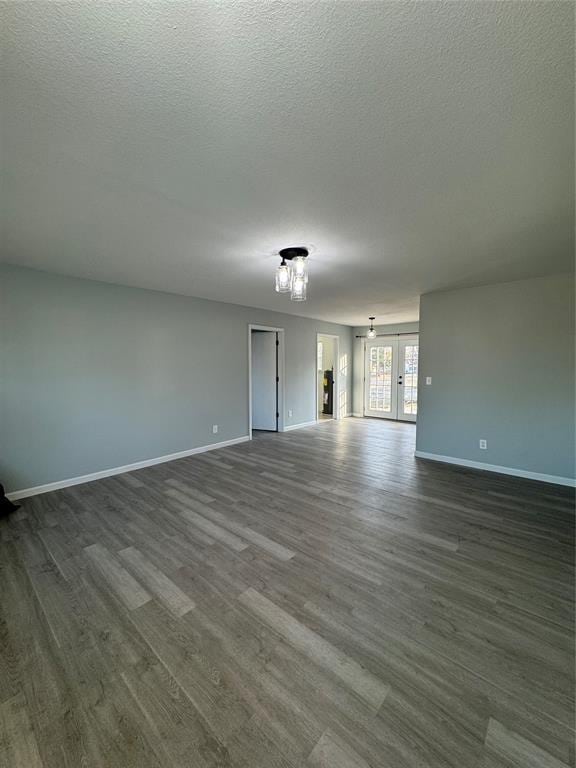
<point>358,358</point>
<point>96,376</point>
<point>501,358</point>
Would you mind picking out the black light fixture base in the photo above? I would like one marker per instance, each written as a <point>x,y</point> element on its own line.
<point>292,253</point>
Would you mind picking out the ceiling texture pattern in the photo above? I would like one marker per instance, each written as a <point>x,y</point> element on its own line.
<point>178,145</point>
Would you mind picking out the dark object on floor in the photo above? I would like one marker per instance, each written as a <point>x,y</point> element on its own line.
<point>6,505</point>
<point>328,393</point>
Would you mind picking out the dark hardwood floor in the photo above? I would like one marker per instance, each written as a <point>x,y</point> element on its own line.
<point>314,598</point>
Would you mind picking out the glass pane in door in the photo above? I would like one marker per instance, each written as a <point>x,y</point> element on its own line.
<point>380,379</point>
<point>410,386</point>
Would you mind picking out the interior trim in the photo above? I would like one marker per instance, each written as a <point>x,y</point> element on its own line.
<point>290,427</point>
<point>38,489</point>
<point>556,479</point>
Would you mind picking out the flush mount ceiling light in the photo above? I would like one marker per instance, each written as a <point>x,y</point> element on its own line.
<point>371,331</point>
<point>292,277</point>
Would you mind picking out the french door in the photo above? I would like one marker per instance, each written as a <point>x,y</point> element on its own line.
<point>391,378</point>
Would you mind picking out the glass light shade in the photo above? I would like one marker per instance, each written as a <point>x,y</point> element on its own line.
<point>300,268</point>
<point>283,279</point>
<point>298,288</point>
<point>371,333</point>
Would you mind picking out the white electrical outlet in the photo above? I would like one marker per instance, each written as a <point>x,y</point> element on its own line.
<point>483,445</point>
<point>289,413</point>
<point>428,379</point>
<point>214,429</point>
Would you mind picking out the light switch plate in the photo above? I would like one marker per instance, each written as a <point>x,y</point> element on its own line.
<point>428,379</point>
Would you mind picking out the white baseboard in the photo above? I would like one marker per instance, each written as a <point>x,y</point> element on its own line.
<point>358,415</point>
<point>290,427</point>
<point>14,495</point>
<point>557,479</point>
<point>313,423</point>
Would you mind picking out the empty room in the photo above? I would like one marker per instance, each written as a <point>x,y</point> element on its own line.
<point>287,386</point>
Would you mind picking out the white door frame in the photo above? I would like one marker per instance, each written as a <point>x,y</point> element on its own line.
<point>393,343</point>
<point>397,338</point>
<point>404,341</point>
<point>336,396</point>
<point>281,373</point>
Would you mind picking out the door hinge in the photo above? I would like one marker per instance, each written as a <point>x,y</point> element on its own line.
<point>277,415</point>
<point>277,343</point>
<point>277,379</point>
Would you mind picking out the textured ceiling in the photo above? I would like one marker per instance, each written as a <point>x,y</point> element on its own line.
<point>178,145</point>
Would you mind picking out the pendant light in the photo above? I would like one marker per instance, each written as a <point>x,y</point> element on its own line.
<point>298,288</point>
<point>371,331</point>
<point>300,268</point>
<point>283,278</point>
<point>293,277</point>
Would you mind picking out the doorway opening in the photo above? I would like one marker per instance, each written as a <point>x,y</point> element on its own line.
<point>265,379</point>
<point>327,348</point>
<point>391,377</point>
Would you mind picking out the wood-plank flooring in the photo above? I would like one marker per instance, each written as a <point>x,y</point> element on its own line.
<point>318,598</point>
